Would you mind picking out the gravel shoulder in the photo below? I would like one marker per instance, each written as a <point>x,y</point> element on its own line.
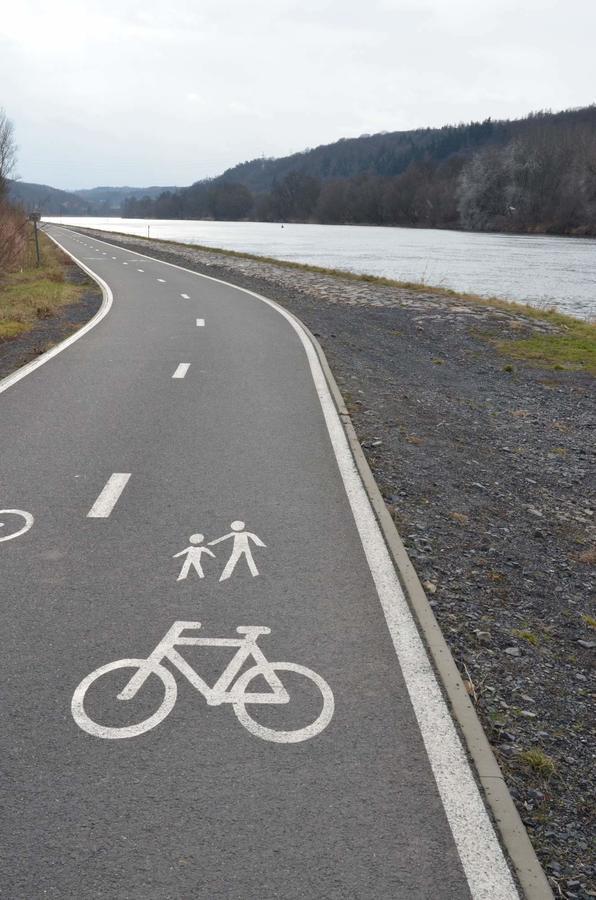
<point>487,468</point>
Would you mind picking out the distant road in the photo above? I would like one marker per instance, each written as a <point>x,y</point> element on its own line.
<point>213,686</point>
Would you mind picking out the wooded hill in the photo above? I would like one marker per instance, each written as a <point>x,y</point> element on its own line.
<point>536,174</point>
<point>98,201</point>
<point>48,200</point>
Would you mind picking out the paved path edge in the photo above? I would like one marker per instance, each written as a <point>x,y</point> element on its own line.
<point>106,304</point>
<point>508,823</point>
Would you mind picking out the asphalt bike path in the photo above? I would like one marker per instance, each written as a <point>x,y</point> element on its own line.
<point>171,477</point>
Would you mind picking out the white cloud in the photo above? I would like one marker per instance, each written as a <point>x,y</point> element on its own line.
<point>144,92</point>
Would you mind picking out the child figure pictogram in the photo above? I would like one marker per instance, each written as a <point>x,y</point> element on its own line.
<point>193,557</point>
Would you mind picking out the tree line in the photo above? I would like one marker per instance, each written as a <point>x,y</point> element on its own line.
<point>536,174</point>
<point>12,219</point>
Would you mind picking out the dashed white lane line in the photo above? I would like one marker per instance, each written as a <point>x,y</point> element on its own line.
<point>186,297</point>
<point>113,257</point>
<point>124,264</point>
<point>163,281</point>
<point>181,370</point>
<point>140,270</point>
<point>108,498</point>
<point>200,323</point>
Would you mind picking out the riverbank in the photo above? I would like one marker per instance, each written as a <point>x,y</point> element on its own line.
<point>517,330</point>
<point>532,269</point>
<point>484,464</point>
<point>41,305</point>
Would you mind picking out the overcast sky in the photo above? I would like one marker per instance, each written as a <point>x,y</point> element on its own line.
<point>127,92</point>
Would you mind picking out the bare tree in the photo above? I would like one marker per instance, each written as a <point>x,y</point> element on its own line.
<point>8,150</point>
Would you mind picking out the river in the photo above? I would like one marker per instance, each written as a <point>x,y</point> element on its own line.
<point>535,269</point>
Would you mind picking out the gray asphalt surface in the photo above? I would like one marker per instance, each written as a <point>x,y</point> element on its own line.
<point>196,807</point>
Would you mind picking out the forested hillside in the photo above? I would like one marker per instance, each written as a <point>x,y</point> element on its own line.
<point>536,174</point>
<point>109,200</point>
<point>48,200</point>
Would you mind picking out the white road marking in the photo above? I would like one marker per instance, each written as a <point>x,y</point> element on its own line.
<point>23,515</point>
<point>186,297</point>
<point>241,540</point>
<point>181,370</point>
<point>163,281</point>
<point>193,554</point>
<point>227,689</point>
<point>43,358</point>
<point>240,547</point>
<point>483,862</point>
<point>113,257</point>
<point>124,263</point>
<point>109,496</point>
<point>140,270</point>
<point>200,323</point>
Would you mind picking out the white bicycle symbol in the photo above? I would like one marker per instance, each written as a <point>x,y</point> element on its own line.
<point>223,691</point>
<point>23,515</point>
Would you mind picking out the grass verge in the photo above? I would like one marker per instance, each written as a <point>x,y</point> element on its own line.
<point>571,344</point>
<point>33,293</point>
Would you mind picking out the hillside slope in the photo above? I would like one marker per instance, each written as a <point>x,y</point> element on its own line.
<point>532,175</point>
<point>48,200</point>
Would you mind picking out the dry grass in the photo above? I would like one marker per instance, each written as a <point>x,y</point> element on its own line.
<point>539,762</point>
<point>588,556</point>
<point>13,237</point>
<point>31,293</point>
<point>460,518</point>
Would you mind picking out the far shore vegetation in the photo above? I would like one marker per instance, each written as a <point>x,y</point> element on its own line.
<point>534,175</point>
<point>571,346</point>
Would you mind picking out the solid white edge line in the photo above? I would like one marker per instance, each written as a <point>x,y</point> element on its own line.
<point>43,358</point>
<point>109,496</point>
<point>479,850</point>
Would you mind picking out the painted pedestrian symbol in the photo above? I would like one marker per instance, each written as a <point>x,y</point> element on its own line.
<point>229,688</point>
<point>240,547</point>
<point>27,517</point>
<point>193,557</point>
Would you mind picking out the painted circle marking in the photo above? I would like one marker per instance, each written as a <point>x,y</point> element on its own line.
<point>17,512</point>
<point>104,731</point>
<point>285,737</point>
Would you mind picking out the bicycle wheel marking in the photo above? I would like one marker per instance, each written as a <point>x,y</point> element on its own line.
<point>286,737</point>
<point>229,688</point>
<point>16,512</point>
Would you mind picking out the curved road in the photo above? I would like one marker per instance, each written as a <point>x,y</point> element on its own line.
<point>183,462</point>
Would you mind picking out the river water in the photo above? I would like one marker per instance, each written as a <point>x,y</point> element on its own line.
<point>542,271</point>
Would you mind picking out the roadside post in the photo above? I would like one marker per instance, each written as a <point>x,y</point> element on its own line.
<point>35,217</point>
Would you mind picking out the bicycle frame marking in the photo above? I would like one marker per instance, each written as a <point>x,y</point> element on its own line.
<point>220,692</point>
<point>230,687</point>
